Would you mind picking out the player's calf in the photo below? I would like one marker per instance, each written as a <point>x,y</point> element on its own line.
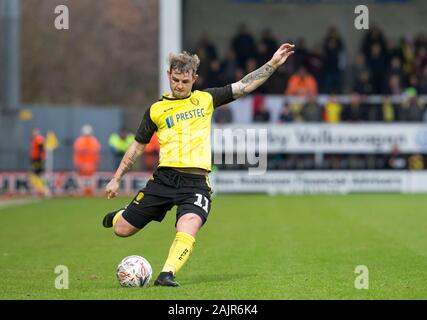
<point>124,229</point>
<point>121,227</point>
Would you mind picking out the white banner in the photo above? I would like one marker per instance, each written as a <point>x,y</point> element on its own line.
<point>300,182</point>
<point>323,138</point>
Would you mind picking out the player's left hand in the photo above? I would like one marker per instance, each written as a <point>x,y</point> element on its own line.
<point>282,54</point>
<point>111,190</point>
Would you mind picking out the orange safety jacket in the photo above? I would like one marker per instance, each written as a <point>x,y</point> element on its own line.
<point>37,148</point>
<point>86,154</point>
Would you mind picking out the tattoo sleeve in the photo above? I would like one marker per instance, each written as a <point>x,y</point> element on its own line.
<point>130,157</point>
<point>252,81</point>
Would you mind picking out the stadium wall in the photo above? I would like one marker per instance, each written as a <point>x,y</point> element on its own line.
<point>65,122</point>
<point>278,182</point>
<point>220,20</point>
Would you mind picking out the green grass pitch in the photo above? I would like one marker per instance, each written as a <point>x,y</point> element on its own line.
<point>253,247</point>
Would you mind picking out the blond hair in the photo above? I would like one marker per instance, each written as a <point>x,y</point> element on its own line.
<point>183,62</point>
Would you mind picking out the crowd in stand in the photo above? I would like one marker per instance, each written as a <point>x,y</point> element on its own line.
<point>395,71</point>
<point>382,67</point>
<point>392,161</point>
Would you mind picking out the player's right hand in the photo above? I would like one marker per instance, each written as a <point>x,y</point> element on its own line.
<point>111,188</point>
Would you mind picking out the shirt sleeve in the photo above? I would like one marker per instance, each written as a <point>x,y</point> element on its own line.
<point>221,95</point>
<point>146,129</point>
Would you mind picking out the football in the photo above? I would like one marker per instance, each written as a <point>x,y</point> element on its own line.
<point>134,271</point>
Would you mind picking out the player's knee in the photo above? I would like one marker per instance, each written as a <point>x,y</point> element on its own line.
<point>191,219</point>
<point>122,232</point>
<point>189,223</point>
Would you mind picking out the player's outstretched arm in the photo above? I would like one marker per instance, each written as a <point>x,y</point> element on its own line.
<point>131,155</point>
<point>256,78</point>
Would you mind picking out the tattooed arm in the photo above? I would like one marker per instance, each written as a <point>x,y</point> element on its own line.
<point>256,78</point>
<point>131,155</point>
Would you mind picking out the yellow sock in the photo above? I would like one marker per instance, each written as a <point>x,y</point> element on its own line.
<point>179,252</point>
<point>116,217</point>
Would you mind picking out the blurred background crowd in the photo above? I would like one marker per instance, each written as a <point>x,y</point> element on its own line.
<point>396,70</point>
<point>104,71</point>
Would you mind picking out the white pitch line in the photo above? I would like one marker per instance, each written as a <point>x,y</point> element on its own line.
<point>18,202</point>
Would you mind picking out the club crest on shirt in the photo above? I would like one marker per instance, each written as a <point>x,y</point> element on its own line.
<point>194,101</point>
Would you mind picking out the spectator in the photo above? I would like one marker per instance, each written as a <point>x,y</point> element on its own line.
<point>363,84</point>
<point>269,41</point>
<point>393,51</point>
<point>333,50</point>
<point>311,110</point>
<point>333,109</point>
<point>301,54</point>
<point>315,64</point>
<point>334,162</point>
<point>277,81</point>
<point>372,37</point>
<point>238,74</point>
<point>421,41</point>
<point>394,85</point>
<point>358,68</point>
<point>37,152</point>
<point>413,82</point>
<point>200,83</point>
<point>396,161</point>
<point>262,55</point>
<point>119,143</point>
<point>257,101</point>
<point>86,152</point>
<point>285,114</point>
<point>388,110</point>
<point>262,114</point>
<point>395,69</point>
<point>229,67</point>
<point>150,157</point>
<point>206,51</point>
<point>354,111</point>
<point>243,45</point>
<point>408,54</point>
<point>302,84</point>
<point>377,65</point>
<point>411,110</point>
<point>251,65</point>
<point>297,108</point>
<point>223,115</point>
<point>425,116</point>
<point>416,162</point>
<point>213,75</point>
<point>423,81</point>
<point>420,61</point>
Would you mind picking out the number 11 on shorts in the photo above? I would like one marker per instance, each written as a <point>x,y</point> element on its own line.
<point>199,203</point>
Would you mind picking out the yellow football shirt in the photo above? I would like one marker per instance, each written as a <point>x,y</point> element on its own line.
<point>183,127</point>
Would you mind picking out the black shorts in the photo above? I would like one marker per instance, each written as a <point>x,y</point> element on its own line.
<point>37,166</point>
<point>169,187</point>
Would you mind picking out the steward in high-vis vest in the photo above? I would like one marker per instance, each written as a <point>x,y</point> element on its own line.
<point>86,152</point>
<point>119,143</point>
<point>37,152</point>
